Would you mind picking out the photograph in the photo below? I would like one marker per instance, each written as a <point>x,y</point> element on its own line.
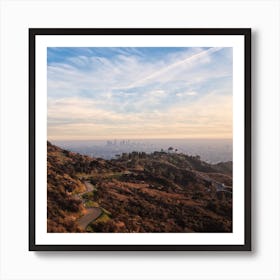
<point>137,138</point>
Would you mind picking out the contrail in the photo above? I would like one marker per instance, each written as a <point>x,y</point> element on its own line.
<point>174,65</point>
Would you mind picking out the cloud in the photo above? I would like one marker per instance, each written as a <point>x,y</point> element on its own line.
<point>187,93</point>
<point>182,93</point>
<point>188,61</point>
<point>207,117</point>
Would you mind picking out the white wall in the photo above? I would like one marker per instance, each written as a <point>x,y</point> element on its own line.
<point>17,262</point>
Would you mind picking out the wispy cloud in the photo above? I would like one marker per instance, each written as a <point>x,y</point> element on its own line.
<point>127,92</point>
<point>189,61</point>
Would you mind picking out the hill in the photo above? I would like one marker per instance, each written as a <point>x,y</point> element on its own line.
<point>137,192</point>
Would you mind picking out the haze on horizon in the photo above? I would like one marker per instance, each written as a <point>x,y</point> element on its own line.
<point>139,93</point>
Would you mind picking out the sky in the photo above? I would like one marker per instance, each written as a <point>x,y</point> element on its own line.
<point>139,93</point>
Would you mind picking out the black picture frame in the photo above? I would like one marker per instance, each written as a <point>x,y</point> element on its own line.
<point>34,32</point>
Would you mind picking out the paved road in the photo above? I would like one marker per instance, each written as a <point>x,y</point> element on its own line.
<point>89,186</point>
<point>219,186</point>
<point>91,215</point>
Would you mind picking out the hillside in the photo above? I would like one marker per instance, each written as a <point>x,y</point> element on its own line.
<point>137,192</point>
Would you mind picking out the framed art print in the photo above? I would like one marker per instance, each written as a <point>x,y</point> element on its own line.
<point>140,139</point>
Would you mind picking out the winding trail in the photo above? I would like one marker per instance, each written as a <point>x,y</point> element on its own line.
<point>220,187</point>
<point>92,213</point>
